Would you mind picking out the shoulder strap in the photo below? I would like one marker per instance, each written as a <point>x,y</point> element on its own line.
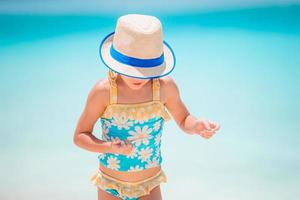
<point>155,89</point>
<point>113,87</point>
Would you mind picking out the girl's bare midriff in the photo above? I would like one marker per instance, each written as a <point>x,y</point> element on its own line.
<point>130,176</point>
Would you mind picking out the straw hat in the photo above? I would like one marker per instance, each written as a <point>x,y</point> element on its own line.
<point>136,48</point>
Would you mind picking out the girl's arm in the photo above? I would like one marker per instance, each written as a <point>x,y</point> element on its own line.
<point>187,122</point>
<point>94,108</point>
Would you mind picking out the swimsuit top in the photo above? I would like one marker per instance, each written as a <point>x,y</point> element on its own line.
<point>141,123</point>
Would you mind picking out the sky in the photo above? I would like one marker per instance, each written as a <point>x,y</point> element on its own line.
<point>106,7</point>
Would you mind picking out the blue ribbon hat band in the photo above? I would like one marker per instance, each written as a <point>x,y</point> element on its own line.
<point>136,61</point>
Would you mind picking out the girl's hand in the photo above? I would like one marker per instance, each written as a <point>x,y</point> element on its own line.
<point>206,128</point>
<point>121,147</point>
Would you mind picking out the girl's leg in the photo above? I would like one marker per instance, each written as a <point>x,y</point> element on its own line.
<point>155,194</point>
<point>103,195</point>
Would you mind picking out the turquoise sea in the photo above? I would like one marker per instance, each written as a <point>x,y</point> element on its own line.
<point>238,67</point>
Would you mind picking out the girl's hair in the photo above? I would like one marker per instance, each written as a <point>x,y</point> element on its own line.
<point>113,74</point>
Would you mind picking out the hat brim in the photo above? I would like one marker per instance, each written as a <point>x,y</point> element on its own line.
<point>134,71</point>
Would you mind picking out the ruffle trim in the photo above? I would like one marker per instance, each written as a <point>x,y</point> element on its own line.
<point>135,189</point>
<point>139,111</point>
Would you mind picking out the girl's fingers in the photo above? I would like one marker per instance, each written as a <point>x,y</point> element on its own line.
<point>127,149</point>
<point>127,142</point>
<point>213,124</point>
<point>127,145</point>
<point>211,128</point>
<point>206,124</point>
<point>216,128</point>
<point>116,141</point>
<point>205,135</point>
<point>208,134</point>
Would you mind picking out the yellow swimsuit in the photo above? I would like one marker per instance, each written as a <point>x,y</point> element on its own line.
<point>142,124</point>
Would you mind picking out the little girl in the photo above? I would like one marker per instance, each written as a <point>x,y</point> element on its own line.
<point>132,104</point>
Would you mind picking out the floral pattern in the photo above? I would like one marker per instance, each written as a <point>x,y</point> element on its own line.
<point>156,126</point>
<point>133,154</point>
<point>101,156</point>
<point>142,126</point>
<point>157,140</point>
<point>105,137</point>
<point>135,168</point>
<point>121,121</point>
<point>104,130</point>
<point>106,124</point>
<point>140,135</point>
<point>113,163</point>
<point>145,154</point>
<point>157,152</point>
<point>152,163</point>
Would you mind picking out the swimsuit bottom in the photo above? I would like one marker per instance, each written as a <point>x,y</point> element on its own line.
<point>127,190</point>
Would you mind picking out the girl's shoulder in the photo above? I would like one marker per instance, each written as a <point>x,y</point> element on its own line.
<point>100,91</point>
<point>168,88</point>
<point>102,84</point>
<point>167,84</point>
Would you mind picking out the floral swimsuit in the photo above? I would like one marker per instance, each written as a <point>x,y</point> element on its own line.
<point>142,124</point>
